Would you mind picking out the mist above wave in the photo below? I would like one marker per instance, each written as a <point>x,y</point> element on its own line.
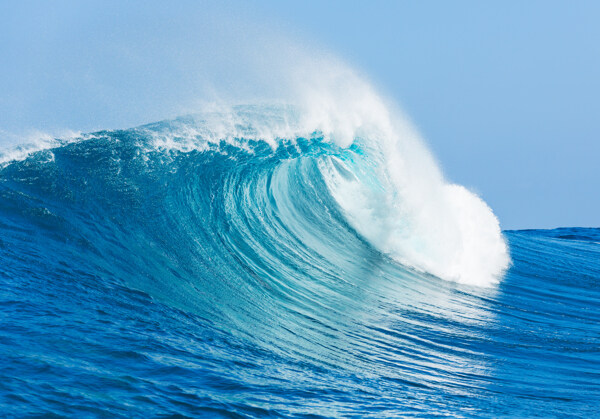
<point>397,197</point>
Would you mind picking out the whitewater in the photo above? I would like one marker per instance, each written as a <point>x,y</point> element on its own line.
<point>289,258</point>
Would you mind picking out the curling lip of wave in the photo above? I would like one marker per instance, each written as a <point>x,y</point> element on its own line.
<point>397,199</point>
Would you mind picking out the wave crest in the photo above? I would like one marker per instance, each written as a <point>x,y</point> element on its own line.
<point>384,182</point>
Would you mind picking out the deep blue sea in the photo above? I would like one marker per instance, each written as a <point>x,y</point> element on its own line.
<point>155,271</point>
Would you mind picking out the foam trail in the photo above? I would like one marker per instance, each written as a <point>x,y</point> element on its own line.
<point>18,147</point>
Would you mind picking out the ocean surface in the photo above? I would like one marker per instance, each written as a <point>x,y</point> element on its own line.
<point>251,264</point>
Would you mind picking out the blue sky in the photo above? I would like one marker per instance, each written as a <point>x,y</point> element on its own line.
<point>505,94</point>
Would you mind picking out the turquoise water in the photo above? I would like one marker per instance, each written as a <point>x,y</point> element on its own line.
<point>227,280</point>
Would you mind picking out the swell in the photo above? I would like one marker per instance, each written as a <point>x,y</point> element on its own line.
<point>231,230</point>
<point>230,277</point>
<point>288,179</point>
<point>246,237</point>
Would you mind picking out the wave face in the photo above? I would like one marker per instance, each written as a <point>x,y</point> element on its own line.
<point>272,261</point>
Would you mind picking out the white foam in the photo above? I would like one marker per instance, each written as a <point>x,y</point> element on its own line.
<point>401,203</point>
<point>19,147</point>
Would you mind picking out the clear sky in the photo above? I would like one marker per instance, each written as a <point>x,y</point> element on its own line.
<point>506,93</point>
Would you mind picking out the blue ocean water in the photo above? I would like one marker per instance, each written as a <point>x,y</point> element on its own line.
<point>141,276</point>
